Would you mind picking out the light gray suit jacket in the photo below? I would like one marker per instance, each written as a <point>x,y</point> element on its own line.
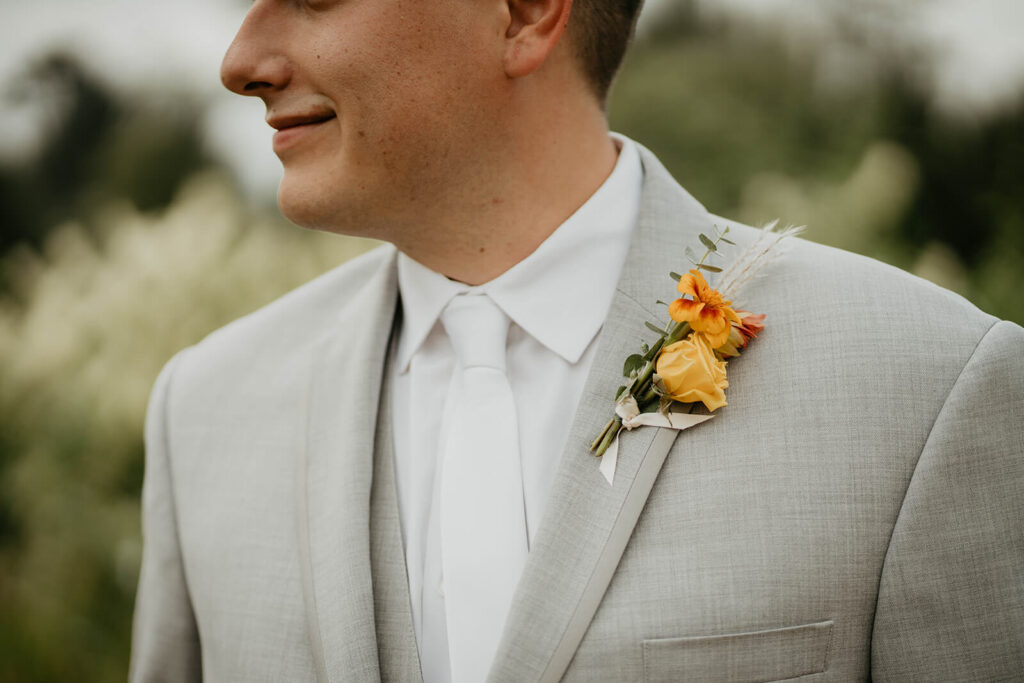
<point>856,511</point>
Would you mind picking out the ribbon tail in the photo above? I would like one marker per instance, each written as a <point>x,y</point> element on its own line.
<point>608,460</point>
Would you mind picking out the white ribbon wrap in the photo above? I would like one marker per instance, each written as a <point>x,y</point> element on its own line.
<point>632,418</point>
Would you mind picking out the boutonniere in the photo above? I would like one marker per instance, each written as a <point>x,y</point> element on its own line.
<point>686,364</point>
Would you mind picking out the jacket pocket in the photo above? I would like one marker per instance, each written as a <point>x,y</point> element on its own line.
<point>754,657</point>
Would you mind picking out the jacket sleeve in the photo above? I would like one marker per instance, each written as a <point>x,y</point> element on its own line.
<point>165,639</point>
<point>951,598</point>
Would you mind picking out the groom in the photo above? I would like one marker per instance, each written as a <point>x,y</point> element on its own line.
<point>856,511</point>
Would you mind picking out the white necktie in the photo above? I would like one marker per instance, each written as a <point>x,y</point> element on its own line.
<point>483,519</point>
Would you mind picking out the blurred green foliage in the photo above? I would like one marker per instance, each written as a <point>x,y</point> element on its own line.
<point>122,243</point>
<point>749,125</point>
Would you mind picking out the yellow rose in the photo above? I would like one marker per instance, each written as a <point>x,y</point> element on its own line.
<point>691,373</point>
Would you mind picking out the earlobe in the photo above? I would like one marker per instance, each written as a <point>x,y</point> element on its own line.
<point>535,27</point>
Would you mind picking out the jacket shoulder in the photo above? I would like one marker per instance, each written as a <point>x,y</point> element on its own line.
<point>267,339</point>
<point>831,285</point>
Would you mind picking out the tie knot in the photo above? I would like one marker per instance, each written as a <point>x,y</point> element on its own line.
<point>477,329</point>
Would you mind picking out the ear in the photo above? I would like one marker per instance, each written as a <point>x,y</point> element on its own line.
<point>534,28</point>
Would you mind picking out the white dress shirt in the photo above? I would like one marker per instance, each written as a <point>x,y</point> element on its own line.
<point>557,299</point>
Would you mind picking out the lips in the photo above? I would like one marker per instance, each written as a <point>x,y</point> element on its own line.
<point>294,128</point>
<point>283,122</point>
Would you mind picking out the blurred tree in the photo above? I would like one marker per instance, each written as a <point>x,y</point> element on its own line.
<point>720,103</point>
<point>98,149</point>
<point>759,128</point>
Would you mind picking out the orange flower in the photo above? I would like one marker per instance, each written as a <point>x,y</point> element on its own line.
<point>691,373</point>
<point>741,334</point>
<point>749,326</point>
<point>707,311</point>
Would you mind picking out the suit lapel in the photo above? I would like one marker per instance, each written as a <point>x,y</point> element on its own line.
<point>588,523</point>
<point>334,482</point>
<point>396,639</point>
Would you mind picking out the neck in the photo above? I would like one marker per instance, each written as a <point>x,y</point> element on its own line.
<point>560,157</point>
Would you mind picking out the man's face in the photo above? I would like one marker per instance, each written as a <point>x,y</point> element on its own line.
<point>378,104</point>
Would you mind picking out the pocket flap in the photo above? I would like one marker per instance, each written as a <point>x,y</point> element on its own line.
<point>754,657</point>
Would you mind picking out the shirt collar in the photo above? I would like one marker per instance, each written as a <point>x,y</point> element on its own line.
<point>424,293</point>
<point>560,294</point>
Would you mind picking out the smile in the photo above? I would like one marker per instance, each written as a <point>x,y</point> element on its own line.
<point>291,130</point>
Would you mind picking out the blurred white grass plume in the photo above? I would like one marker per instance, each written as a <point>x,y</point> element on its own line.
<point>101,318</point>
<point>92,320</point>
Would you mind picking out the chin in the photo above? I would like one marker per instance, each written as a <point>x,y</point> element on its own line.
<point>305,203</point>
<point>296,207</point>
<point>310,206</point>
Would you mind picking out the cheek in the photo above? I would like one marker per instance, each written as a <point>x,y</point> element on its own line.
<point>431,65</point>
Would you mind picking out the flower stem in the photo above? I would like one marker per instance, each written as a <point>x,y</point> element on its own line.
<point>678,331</point>
<point>608,435</point>
<point>652,353</point>
<point>600,437</point>
<point>648,396</point>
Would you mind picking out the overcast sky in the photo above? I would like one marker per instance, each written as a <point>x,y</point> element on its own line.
<point>148,45</point>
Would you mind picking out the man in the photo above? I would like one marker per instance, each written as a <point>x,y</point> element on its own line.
<point>854,512</point>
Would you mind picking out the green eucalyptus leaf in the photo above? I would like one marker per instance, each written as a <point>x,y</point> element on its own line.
<point>708,242</point>
<point>692,256</point>
<point>654,328</point>
<point>632,364</point>
<point>676,277</point>
<point>710,269</point>
<point>722,239</point>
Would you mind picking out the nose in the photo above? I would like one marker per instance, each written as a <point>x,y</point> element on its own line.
<point>254,64</point>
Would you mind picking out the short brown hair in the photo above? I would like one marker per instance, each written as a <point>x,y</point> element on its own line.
<point>600,31</point>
